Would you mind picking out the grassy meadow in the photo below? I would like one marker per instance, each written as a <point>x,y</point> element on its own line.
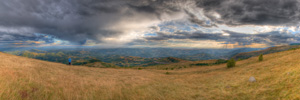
<point>277,77</point>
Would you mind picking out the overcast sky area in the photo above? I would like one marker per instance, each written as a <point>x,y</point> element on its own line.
<point>149,23</point>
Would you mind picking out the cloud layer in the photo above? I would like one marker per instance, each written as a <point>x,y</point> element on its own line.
<point>102,21</point>
<point>229,37</point>
<point>79,20</point>
<point>256,12</point>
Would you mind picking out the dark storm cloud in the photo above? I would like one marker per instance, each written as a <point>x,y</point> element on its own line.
<point>271,38</point>
<point>6,37</point>
<point>18,37</point>
<point>157,7</point>
<point>194,19</point>
<point>79,20</point>
<point>186,35</point>
<point>255,12</point>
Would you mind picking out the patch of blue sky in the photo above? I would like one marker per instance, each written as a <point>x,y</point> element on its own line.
<point>150,34</point>
<point>294,32</point>
<point>196,26</point>
<point>167,29</point>
<point>207,22</point>
<point>49,39</point>
<point>45,37</point>
<point>174,26</point>
<point>289,30</point>
<point>186,28</point>
<point>281,28</point>
<point>62,42</point>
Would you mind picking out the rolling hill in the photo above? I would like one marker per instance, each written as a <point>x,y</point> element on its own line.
<point>88,58</point>
<point>277,77</point>
<point>246,55</point>
<point>127,57</point>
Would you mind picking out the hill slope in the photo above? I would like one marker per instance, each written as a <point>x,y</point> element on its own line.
<point>246,55</point>
<point>277,78</point>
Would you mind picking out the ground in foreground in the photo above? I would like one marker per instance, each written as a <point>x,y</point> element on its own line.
<point>277,78</point>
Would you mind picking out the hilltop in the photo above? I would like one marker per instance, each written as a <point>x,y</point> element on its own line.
<point>246,55</point>
<point>277,78</point>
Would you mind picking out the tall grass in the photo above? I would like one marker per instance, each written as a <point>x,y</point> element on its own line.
<point>277,78</point>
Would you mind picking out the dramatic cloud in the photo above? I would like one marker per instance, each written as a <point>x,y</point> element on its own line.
<point>256,12</point>
<point>229,37</point>
<point>79,20</point>
<point>112,22</point>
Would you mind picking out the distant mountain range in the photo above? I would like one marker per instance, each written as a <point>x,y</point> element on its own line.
<point>141,56</point>
<point>129,56</point>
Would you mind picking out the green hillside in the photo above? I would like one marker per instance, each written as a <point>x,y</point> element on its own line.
<point>277,77</point>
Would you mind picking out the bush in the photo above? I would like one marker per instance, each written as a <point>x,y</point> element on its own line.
<point>220,61</point>
<point>167,73</point>
<point>293,48</point>
<point>202,64</point>
<point>94,60</point>
<point>139,68</point>
<point>230,63</point>
<point>260,58</point>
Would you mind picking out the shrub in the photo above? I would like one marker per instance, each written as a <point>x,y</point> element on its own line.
<point>172,59</point>
<point>167,73</point>
<point>139,68</point>
<point>202,64</point>
<point>94,60</point>
<point>230,63</point>
<point>293,48</point>
<point>220,61</point>
<point>260,58</point>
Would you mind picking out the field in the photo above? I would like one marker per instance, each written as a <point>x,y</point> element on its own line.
<point>278,77</point>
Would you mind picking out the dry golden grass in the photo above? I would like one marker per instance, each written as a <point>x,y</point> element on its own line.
<point>180,65</point>
<point>278,77</point>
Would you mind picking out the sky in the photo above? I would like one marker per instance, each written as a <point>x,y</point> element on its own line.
<point>149,23</point>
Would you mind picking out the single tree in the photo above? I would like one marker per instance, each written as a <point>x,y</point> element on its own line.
<point>260,58</point>
<point>231,63</point>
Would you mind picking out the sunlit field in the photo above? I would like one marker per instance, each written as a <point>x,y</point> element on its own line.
<point>277,77</point>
